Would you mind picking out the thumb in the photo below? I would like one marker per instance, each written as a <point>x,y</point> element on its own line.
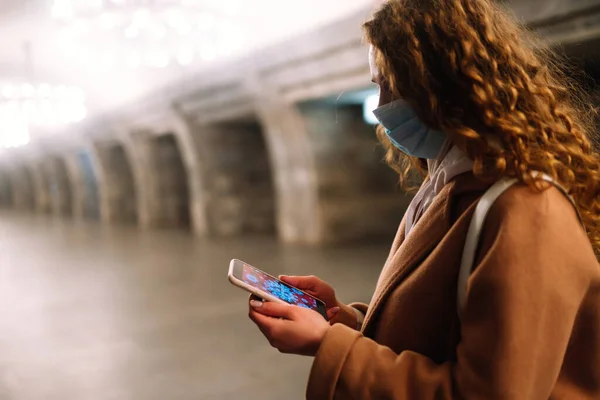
<point>300,282</point>
<point>332,312</point>
<point>292,280</point>
<point>272,309</point>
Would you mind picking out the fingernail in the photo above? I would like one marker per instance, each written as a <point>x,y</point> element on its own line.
<point>255,304</point>
<point>335,310</point>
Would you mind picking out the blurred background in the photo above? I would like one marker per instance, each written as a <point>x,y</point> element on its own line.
<point>145,143</point>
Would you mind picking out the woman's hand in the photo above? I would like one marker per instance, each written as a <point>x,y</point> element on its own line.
<point>336,312</point>
<point>290,329</point>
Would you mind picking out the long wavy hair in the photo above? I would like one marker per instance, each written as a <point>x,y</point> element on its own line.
<point>470,70</point>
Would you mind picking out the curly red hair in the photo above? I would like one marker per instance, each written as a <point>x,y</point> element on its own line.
<point>469,70</point>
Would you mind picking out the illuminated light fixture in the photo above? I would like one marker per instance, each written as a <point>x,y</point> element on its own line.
<point>185,55</point>
<point>149,29</point>
<point>208,53</point>
<point>370,104</point>
<point>24,105</point>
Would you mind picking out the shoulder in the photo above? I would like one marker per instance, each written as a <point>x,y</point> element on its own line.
<point>522,206</point>
<point>525,226</point>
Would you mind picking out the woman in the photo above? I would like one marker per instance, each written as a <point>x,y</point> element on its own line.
<point>468,96</point>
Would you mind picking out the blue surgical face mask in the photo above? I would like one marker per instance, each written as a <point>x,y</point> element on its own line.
<point>407,132</point>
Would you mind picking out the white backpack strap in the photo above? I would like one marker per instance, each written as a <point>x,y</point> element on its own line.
<point>472,241</point>
<point>468,256</point>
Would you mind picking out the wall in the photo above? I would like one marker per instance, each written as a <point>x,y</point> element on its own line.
<point>359,194</point>
<point>236,173</point>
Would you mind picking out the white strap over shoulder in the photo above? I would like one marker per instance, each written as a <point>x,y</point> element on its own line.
<point>474,232</point>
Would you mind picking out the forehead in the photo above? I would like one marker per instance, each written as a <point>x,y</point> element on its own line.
<point>372,65</point>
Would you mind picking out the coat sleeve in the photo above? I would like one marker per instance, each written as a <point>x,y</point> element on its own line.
<point>523,299</point>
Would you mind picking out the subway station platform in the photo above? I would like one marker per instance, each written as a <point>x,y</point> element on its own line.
<point>116,313</point>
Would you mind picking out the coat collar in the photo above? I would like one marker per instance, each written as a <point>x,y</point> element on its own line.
<point>408,252</point>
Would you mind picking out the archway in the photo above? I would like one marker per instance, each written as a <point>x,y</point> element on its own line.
<point>61,193</point>
<point>359,198</point>
<point>6,190</point>
<point>330,182</point>
<point>89,185</point>
<point>170,183</point>
<point>118,199</point>
<point>23,189</point>
<point>237,178</point>
<point>41,187</point>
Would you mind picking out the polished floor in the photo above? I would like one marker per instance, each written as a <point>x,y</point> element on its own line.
<point>96,313</point>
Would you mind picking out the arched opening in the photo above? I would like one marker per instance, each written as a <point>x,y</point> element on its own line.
<point>23,189</point>
<point>358,194</point>
<point>238,179</point>
<point>41,187</point>
<point>61,194</point>
<point>89,182</point>
<point>118,187</point>
<point>6,191</point>
<point>170,183</point>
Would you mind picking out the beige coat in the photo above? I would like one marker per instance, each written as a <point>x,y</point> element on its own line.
<point>530,328</point>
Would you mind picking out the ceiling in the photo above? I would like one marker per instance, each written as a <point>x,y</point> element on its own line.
<point>28,24</point>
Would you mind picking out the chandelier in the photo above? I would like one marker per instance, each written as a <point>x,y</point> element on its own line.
<point>144,33</point>
<point>24,105</point>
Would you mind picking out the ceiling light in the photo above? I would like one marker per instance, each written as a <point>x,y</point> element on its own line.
<point>174,17</point>
<point>108,20</point>
<point>206,20</point>
<point>134,59</point>
<point>148,26</point>
<point>37,105</point>
<point>185,56</point>
<point>14,129</point>
<point>27,90</point>
<point>63,9</point>
<point>208,53</point>
<point>44,90</point>
<point>8,91</point>
<point>141,17</point>
<point>131,32</point>
<point>157,58</point>
<point>158,30</point>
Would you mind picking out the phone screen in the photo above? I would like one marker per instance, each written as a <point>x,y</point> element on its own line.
<point>275,287</point>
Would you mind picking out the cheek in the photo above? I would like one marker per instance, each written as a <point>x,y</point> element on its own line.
<point>384,97</point>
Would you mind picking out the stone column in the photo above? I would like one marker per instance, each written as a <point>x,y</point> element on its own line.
<point>23,189</point>
<point>237,179</point>
<point>117,192</point>
<point>359,197</point>
<point>293,163</point>
<point>61,194</point>
<point>41,188</point>
<point>187,145</point>
<point>330,182</point>
<point>138,147</point>
<point>77,185</point>
<point>170,182</point>
<point>82,177</point>
<point>6,190</point>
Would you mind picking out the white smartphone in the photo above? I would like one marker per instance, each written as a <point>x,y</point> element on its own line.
<point>270,288</point>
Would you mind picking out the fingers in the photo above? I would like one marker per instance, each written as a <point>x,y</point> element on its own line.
<point>264,322</point>
<point>255,297</point>
<point>271,309</point>
<point>267,325</point>
<point>332,312</point>
<point>302,282</point>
